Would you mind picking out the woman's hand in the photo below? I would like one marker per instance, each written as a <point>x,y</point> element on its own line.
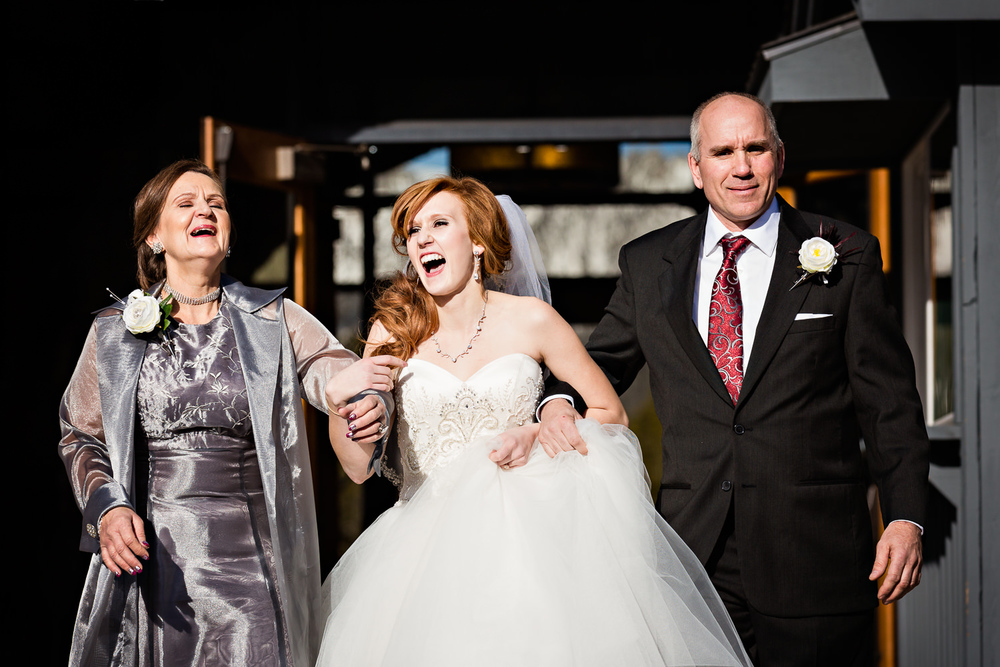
<point>515,446</point>
<point>123,541</point>
<point>369,373</point>
<point>366,419</point>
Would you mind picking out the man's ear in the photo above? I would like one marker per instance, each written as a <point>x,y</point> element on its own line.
<point>696,171</point>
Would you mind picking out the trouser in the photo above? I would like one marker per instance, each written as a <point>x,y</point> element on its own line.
<point>843,640</point>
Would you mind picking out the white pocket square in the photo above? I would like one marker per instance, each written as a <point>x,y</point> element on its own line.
<point>812,316</point>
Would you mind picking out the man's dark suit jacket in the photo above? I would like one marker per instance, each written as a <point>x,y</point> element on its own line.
<point>787,456</point>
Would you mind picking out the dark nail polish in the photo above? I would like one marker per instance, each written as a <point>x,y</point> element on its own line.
<point>145,544</point>
<point>352,417</point>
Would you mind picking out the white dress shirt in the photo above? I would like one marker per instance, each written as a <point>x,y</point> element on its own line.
<point>754,268</point>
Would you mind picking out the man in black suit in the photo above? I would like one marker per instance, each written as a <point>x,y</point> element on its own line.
<point>764,384</point>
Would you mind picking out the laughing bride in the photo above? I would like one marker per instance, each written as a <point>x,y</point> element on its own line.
<point>500,552</point>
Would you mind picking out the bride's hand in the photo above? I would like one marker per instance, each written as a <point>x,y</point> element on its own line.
<point>369,373</point>
<point>515,446</point>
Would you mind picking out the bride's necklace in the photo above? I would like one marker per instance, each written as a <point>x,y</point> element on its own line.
<point>191,301</point>
<point>479,330</point>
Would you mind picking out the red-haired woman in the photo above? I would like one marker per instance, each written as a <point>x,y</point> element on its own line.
<point>499,553</point>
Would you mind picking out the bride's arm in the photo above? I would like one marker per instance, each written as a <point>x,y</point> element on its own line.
<point>354,426</point>
<point>564,354</point>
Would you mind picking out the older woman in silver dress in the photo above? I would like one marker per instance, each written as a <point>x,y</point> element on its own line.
<point>184,442</point>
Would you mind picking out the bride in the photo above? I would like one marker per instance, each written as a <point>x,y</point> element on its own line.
<point>499,553</point>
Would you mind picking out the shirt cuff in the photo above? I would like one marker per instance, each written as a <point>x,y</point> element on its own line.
<point>538,410</point>
<point>908,521</point>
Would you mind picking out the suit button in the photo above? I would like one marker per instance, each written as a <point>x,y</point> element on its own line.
<point>727,485</point>
<point>738,429</point>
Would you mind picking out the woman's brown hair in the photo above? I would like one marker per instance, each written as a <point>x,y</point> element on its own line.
<point>146,212</point>
<point>405,308</point>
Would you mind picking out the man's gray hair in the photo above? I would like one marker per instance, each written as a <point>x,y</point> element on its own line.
<point>772,125</point>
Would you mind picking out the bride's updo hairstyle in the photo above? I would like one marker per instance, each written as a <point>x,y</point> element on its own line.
<point>405,308</point>
<point>146,212</point>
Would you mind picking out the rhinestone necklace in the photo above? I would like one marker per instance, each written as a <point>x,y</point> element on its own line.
<point>479,330</point>
<point>190,301</point>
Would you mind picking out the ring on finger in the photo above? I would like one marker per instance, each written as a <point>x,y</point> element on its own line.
<point>382,428</point>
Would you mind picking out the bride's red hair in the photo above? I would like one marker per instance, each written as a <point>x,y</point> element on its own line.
<point>404,308</point>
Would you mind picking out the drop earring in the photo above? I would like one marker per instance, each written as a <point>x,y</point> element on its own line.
<point>475,262</point>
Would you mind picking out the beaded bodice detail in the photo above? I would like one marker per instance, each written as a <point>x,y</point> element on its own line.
<point>439,415</point>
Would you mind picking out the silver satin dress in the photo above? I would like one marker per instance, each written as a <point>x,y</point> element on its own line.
<point>208,587</point>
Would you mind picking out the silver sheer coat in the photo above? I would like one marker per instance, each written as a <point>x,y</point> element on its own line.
<point>286,353</point>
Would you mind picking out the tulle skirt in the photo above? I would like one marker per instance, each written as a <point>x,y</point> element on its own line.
<point>563,561</point>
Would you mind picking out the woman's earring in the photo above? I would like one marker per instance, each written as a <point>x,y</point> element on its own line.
<point>475,262</point>
<point>157,247</point>
<point>229,251</point>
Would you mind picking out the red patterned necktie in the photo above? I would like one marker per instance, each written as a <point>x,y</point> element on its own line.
<point>725,317</point>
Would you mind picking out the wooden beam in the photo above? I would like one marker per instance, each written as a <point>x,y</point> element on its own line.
<point>207,141</point>
<point>878,212</point>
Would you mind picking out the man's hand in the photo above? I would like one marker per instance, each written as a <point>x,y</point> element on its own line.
<point>902,551</point>
<point>558,428</point>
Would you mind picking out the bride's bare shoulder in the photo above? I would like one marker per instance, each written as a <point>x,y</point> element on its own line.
<point>526,309</point>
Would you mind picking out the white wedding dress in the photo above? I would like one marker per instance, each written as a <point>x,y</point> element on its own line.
<point>562,561</point>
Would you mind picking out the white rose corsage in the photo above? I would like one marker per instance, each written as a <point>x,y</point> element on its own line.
<point>818,255</point>
<point>144,313</point>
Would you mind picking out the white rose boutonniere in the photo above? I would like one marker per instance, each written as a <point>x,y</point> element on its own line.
<point>144,313</point>
<point>818,255</point>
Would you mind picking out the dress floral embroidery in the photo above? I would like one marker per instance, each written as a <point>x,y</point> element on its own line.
<point>199,381</point>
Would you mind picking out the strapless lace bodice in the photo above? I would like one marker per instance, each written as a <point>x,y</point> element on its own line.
<point>439,415</point>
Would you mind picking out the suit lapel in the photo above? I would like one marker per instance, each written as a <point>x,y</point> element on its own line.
<point>781,304</point>
<point>677,291</point>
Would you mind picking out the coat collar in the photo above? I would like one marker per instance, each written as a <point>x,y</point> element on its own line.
<point>247,299</point>
<point>677,293</point>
